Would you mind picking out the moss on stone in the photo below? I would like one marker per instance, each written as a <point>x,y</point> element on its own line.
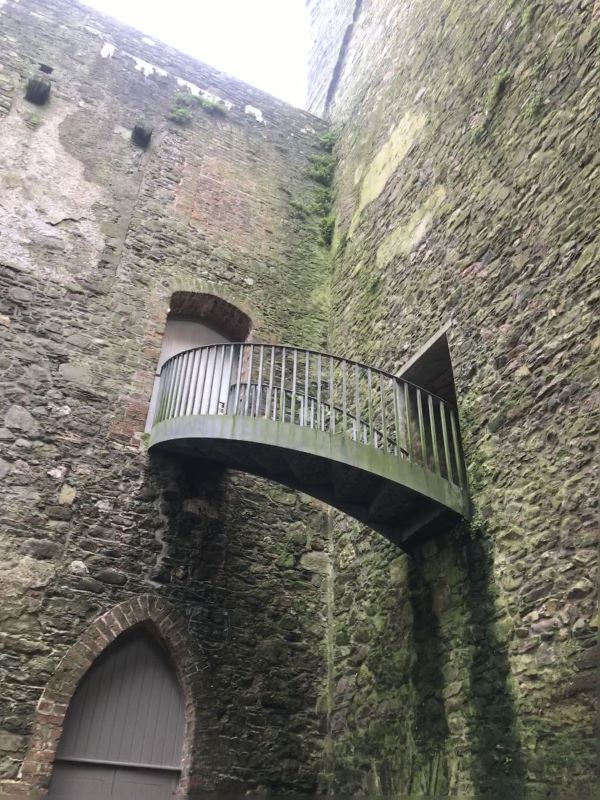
<point>326,142</point>
<point>386,161</point>
<point>326,228</point>
<point>322,168</point>
<point>497,89</point>
<point>180,115</point>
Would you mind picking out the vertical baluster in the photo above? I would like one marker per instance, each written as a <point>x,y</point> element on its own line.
<point>180,378</point>
<point>177,362</point>
<point>227,386</point>
<point>259,380</point>
<point>195,399</point>
<point>306,371</point>
<point>294,378</point>
<point>396,389</point>
<point>170,377</point>
<point>457,449</point>
<point>383,414</point>
<point>312,412</point>
<point>202,370</point>
<point>282,412</point>
<point>331,396</point>
<point>370,432</point>
<point>190,382</point>
<point>238,380</point>
<point>220,378</point>
<point>166,374</point>
<point>344,405</point>
<point>158,386</point>
<point>211,381</point>
<point>172,387</point>
<point>187,379</point>
<point>357,400</point>
<point>409,439</point>
<point>163,384</point>
<point>318,390</point>
<point>446,444</point>
<point>275,403</point>
<point>212,378</point>
<point>248,381</point>
<point>270,388</point>
<point>434,446</point>
<point>421,428</point>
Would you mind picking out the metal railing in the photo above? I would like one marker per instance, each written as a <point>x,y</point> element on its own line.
<point>315,390</point>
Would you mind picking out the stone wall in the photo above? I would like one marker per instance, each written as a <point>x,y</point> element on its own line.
<point>465,195</point>
<point>97,233</point>
<point>332,27</point>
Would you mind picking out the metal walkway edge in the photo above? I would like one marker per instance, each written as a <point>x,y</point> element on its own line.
<point>366,442</point>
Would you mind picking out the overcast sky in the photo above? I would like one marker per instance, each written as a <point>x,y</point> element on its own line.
<point>263,42</point>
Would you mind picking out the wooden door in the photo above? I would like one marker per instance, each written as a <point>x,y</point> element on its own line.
<point>124,729</point>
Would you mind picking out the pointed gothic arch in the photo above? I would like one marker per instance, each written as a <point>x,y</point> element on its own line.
<point>157,617</point>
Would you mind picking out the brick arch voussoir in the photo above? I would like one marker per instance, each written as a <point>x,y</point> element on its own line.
<point>259,331</point>
<point>167,624</point>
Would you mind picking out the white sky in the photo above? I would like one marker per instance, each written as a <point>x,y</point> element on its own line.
<point>263,42</point>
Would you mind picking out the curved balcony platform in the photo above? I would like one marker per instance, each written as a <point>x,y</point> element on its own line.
<point>376,447</point>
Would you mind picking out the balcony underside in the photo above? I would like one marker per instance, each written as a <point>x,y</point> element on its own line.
<point>395,496</point>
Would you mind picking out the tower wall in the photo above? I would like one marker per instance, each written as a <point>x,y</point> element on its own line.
<point>97,233</point>
<point>464,197</point>
<point>323,658</point>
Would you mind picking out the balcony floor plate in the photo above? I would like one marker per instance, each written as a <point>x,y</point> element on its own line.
<point>256,444</point>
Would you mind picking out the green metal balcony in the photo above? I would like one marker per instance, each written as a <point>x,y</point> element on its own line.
<point>376,447</point>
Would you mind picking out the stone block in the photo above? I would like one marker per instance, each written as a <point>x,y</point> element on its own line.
<point>112,576</point>
<point>20,419</point>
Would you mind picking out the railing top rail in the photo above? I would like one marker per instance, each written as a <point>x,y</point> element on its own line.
<point>321,353</point>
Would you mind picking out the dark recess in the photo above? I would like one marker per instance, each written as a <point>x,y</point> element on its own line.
<point>38,91</point>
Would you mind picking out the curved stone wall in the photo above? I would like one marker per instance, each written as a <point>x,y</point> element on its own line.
<point>465,195</point>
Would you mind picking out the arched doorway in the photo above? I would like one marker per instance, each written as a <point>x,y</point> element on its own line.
<point>196,319</point>
<point>124,729</point>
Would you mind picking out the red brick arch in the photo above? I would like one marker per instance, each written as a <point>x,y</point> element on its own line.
<point>213,310</point>
<point>168,626</point>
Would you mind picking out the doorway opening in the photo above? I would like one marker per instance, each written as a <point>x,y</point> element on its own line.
<point>124,730</point>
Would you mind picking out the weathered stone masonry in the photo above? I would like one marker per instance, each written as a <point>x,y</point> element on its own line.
<point>466,192</point>
<point>97,234</point>
<point>314,655</point>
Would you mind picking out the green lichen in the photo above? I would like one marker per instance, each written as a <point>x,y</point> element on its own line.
<point>298,210</point>
<point>33,120</point>
<point>322,169</point>
<point>341,244</point>
<point>184,99</point>
<point>528,14</point>
<point>322,203</point>
<point>180,115</point>
<point>535,105</point>
<point>326,227</point>
<point>184,102</point>
<point>326,142</point>
<point>215,107</point>
<point>497,90</point>
<point>479,132</point>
